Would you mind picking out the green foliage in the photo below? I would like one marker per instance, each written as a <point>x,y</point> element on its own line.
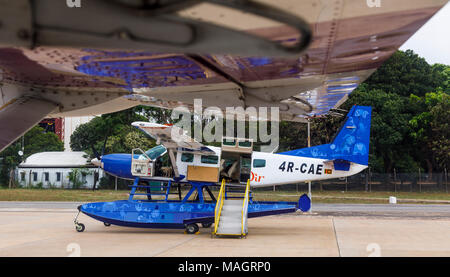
<point>39,185</point>
<point>410,119</point>
<point>75,177</point>
<point>104,182</point>
<point>406,73</point>
<point>410,114</point>
<point>121,136</point>
<point>35,140</point>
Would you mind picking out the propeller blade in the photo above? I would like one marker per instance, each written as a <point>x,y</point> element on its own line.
<point>95,153</point>
<point>104,143</point>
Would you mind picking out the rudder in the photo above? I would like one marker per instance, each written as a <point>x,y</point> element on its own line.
<point>351,142</point>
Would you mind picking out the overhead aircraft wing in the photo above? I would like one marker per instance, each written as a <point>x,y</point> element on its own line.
<point>172,137</point>
<point>303,57</point>
<point>31,109</point>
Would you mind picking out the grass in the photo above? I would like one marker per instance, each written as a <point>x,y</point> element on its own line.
<point>61,195</point>
<point>378,197</point>
<point>318,196</point>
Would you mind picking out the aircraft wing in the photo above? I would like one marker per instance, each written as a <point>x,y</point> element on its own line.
<point>172,137</point>
<point>303,57</point>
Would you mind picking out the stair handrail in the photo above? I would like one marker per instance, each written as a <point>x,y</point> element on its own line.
<point>219,206</point>
<point>245,208</point>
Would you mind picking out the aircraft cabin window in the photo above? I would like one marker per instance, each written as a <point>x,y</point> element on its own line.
<point>245,144</point>
<point>187,157</point>
<point>259,163</point>
<point>211,159</point>
<point>229,142</point>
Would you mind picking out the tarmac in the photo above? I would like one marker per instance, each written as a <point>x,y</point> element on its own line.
<point>46,229</point>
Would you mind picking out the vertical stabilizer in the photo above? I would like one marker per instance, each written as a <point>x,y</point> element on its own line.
<point>351,142</point>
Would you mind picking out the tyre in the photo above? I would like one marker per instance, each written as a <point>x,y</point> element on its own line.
<point>79,227</point>
<point>192,228</point>
<point>106,224</point>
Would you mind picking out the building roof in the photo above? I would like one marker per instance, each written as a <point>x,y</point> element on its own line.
<point>56,159</point>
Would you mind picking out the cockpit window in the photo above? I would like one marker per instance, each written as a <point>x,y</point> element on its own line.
<point>155,152</point>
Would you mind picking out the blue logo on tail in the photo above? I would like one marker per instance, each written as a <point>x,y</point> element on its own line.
<point>351,143</point>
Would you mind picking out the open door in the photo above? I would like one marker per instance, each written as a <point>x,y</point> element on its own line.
<point>143,163</point>
<point>245,169</point>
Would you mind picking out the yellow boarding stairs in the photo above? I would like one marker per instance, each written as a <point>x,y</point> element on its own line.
<point>231,213</point>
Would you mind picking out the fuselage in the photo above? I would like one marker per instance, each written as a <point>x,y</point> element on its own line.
<point>266,169</point>
<point>236,162</point>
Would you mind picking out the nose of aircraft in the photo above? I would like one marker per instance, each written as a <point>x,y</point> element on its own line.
<point>97,162</point>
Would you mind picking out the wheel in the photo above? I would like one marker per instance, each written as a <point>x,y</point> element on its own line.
<point>206,225</point>
<point>79,227</point>
<point>106,224</point>
<point>192,228</point>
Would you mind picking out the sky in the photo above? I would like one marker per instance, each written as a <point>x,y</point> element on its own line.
<point>432,41</point>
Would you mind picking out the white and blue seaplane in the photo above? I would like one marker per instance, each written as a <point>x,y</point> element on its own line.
<point>234,167</point>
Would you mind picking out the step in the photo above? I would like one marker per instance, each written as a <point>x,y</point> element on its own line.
<point>232,202</point>
<point>235,226</point>
<point>230,219</point>
<point>229,231</point>
<point>229,213</point>
<point>231,209</point>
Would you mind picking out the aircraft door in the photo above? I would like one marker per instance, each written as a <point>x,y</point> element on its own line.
<point>245,168</point>
<point>141,164</point>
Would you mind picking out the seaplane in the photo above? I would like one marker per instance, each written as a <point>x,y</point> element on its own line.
<point>304,57</point>
<point>234,167</point>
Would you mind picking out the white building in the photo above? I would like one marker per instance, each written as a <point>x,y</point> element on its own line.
<point>52,169</point>
<point>70,125</point>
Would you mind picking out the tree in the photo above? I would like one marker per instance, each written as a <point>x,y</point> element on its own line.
<point>116,128</point>
<point>406,73</point>
<point>389,145</point>
<point>36,140</point>
<point>444,71</point>
<point>440,126</point>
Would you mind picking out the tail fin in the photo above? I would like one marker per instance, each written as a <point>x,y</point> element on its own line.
<point>351,142</point>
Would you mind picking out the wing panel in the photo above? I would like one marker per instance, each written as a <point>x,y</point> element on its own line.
<point>31,111</point>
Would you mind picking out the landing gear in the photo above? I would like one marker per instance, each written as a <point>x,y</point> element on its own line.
<point>192,228</point>
<point>106,224</point>
<point>206,225</point>
<point>78,226</point>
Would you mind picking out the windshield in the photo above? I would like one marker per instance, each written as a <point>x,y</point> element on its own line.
<point>154,153</point>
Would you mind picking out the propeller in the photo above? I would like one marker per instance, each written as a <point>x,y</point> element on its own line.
<point>99,160</point>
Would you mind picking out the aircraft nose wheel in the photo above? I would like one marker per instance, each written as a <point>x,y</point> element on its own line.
<point>79,227</point>
<point>192,228</point>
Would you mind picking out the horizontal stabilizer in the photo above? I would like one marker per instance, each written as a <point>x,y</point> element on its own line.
<point>339,164</point>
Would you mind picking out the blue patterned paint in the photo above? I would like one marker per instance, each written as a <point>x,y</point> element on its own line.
<point>351,143</point>
<point>141,70</point>
<point>170,214</point>
<point>259,61</point>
